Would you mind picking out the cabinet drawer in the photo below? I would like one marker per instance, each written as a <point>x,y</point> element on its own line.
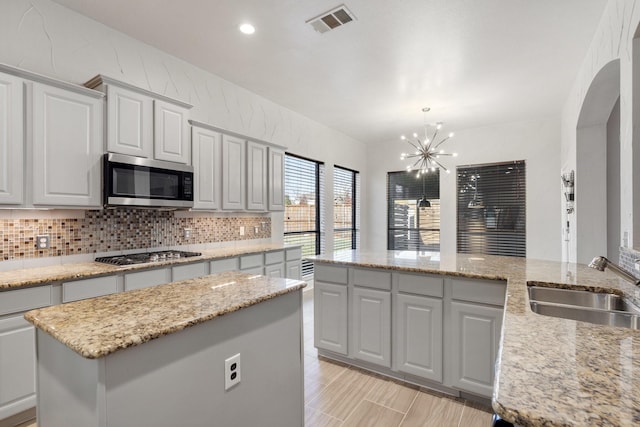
<point>276,257</point>
<point>250,261</point>
<point>222,265</point>
<point>294,254</point>
<point>89,288</point>
<point>189,271</point>
<point>254,270</point>
<point>24,299</point>
<point>420,284</point>
<point>372,278</point>
<point>482,291</point>
<point>329,273</point>
<point>143,279</point>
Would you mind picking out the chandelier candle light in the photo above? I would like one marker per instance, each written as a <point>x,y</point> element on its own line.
<point>427,150</point>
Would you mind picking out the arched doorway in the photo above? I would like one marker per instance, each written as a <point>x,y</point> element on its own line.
<point>597,181</point>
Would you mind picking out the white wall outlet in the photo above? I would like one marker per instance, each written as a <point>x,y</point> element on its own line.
<point>636,264</point>
<point>232,371</point>
<point>187,233</point>
<point>42,241</point>
<point>241,230</point>
<point>256,230</point>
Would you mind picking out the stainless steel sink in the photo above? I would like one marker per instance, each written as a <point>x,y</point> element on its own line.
<point>600,308</point>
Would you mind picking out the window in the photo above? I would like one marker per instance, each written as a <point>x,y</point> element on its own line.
<point>492,209</point>
<point>303,218</point>
<point>346,208</point>
<point>413,213</point>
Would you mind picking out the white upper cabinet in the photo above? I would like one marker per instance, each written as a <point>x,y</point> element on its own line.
<point>276,179</point>
<point>129,122</point>
<point>11,139</point>
<point>66,144</point>
<point>144,124</point>
<point>171,132</point>
<point>256,177</point>
<point>206,168</point>
<point>233,173</point>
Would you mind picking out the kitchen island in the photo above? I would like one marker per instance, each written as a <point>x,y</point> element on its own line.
<point>157,356</point>
<point>549,371</point>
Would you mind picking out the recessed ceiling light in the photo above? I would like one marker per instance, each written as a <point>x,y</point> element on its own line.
<point>247,29</point>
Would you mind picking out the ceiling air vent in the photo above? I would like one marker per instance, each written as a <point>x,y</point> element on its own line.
<point>332,19</point>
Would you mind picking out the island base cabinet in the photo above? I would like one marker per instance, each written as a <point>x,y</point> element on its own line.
<point>371,326</point>
<point>17,367</point>
<point>330,317</point>
<point>474,347</point>
<point>179,379</point>
<point>418,333</point>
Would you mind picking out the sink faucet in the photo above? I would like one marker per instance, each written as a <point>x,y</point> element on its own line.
<point>600,263</point>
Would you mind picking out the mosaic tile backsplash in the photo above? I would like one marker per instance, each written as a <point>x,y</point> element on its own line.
<point>628,259</point>
<point>122,229</point>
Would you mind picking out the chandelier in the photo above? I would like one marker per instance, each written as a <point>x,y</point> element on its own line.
<point>427,151</point>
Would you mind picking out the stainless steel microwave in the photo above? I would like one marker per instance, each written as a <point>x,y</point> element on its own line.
<point>135,181</point>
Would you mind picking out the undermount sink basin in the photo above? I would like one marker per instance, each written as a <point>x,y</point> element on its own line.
<point>599,308</point>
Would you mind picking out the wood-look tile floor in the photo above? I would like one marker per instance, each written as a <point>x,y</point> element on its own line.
<point>340,396</point>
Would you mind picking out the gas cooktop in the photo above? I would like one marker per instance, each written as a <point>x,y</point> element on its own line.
<point>146,257</point>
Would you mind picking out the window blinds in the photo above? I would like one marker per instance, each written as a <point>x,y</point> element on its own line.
<point>409,226</point>
<point>346,208</point>
<point>492,209</point>
<point>303,218</point>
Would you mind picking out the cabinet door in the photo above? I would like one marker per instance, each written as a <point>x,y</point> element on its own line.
<point>276,179</point>
<point>330,317</point>
<point>171,132</point>
<point>418,332</point>
<point>206,168</point>
<point>17,366</point>
<point>256,177</point>
<point>129,122</point>
<point>476,335</point>
<point>276,270</point>
<point>294,270</point>
<point>233,165</point>
<point>11,140</point>
<point>67,147</point>
<point>371,328</point>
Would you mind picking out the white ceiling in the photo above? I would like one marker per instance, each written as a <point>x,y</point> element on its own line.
<point>474,62</point>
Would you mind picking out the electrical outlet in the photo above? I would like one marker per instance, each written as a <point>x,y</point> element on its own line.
<point>636,264</point>
<point>187,233</point>
<point>232,371</point>
<point>256,230</point>
<point>241,230</point>
<point>42,241</point>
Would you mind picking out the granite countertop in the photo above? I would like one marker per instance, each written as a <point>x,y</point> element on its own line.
<point>100,326</point>
<point>59,273</point>
<point>550,371</point>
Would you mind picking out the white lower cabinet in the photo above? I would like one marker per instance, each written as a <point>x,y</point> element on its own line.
<point>474,349</point>
<point>330,317</point>
<point>371,327</point>
<point>17,366</point>
<point>144,279</point>
<point>275,270</point>
<point>418,336</point>
<point>294,270</point>
<point>188,271</point>
<point>408,337</point>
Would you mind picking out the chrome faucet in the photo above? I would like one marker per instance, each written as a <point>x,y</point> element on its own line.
<point>600,263</point>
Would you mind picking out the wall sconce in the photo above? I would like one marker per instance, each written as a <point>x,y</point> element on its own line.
<point>568,179</point>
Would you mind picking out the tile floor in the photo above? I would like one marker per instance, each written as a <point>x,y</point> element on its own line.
<point>340,396</point>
